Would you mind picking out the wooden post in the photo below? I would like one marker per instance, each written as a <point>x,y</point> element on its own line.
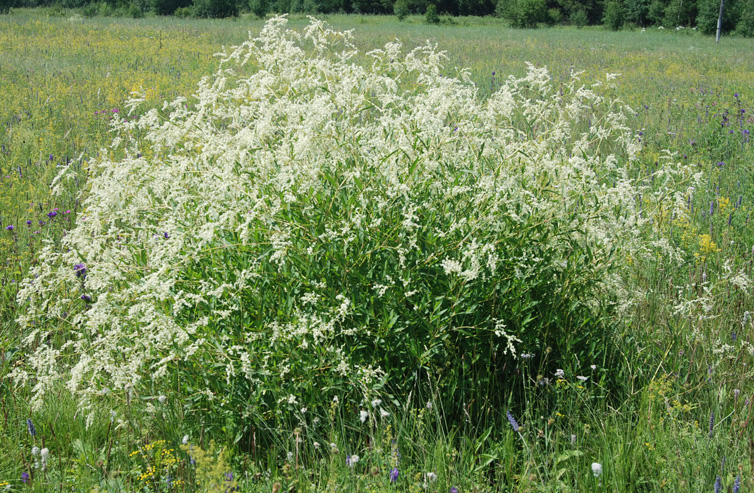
<point>719,21</point>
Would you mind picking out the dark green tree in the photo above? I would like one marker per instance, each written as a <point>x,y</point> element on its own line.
<point>709,11</point>
<point>579,18</point>
<point>637,12</point>
<point>215,8</point>
<point>680,13</point>
<point>259,8</point>
<point>745,25</point>
<point>167,7</point>
<point>614,15</point>
<point>401,9</point>
<point>656,13</point>
<point>431,16</point>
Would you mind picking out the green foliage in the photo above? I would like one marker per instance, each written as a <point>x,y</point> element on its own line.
<point>709,12</point>
<point>656,12</point>
<point>184,12</point>
<point>135,11</point>
<point>431,16</point>
<point>260,8</point>
<point>215,9</point>
<point>401,9</point>
<point>614,15</point>
<point>5,6</point>
<point>679,13</point>
<point>372,6</point>
<point>579,18</point>
<point>745,25</point>
<point>213,469</point>
<point>168,7</point>
<point>528,13</point>
<point>637,12</point>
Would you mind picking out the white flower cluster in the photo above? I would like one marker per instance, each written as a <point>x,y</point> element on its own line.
<point>294,152</point>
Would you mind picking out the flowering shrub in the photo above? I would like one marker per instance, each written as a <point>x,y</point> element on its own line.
<point>307,227</point>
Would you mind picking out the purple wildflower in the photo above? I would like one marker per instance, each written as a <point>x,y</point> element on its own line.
<point>41,223</point>
<point>80,270</point>
<point>513,422</point>
<point>52,214</point>
<point>86,298</point>
<point>737,484</point>
<point>721,164</point>
<point>394,475</point>
<point>165,235</point>
<point>10,228</point>
<point>718,484</point>
<point>453,490</point>
<point>31,428</point>
<point>28,223</point>
<point>25,477</point>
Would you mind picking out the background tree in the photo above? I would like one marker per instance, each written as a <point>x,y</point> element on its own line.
<point>745,26</point>
<point>215,8</point>
<point>614,15</point>
<point>431,16</point>
<point>709,11</point>
<point>637,12</point>
<point>401,9</point>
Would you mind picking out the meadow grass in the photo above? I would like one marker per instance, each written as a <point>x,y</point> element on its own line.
<point>684,349</point>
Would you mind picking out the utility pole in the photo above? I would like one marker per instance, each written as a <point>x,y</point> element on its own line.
<point>719,21</point>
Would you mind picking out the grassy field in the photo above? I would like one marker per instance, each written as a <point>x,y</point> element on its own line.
<point>672,412</point>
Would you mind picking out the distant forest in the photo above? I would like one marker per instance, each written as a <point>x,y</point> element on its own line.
<point>613,14</point>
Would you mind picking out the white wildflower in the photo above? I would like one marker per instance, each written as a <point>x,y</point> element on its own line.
<point>596,469</point>
<point>363,415</point>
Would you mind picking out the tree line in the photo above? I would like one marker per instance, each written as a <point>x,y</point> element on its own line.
<point>614,14</point>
